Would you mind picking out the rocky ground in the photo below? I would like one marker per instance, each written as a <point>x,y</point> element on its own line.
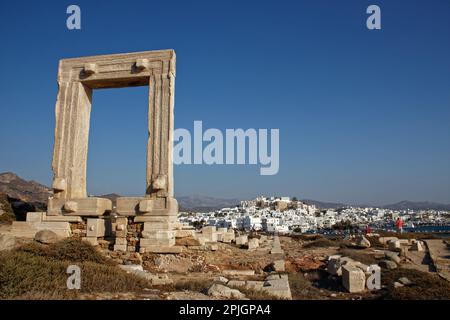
<point>303,267</point>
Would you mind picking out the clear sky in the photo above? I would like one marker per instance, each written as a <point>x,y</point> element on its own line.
<point>364,116</point>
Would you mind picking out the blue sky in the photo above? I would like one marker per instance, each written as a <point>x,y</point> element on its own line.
<point>364,116</point>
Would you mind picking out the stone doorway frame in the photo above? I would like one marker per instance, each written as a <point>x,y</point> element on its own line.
<point>77,78</point>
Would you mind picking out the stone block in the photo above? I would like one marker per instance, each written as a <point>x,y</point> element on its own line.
<point>228,237</point>
<point>158,235</point>
<point>121,241</point>
<point>128,206</point>
<point>241,240</point>
<point>150,204</point>
<point>55,206</point>
<point>210,237</point>
<point>184,233</point>
<point>120,247</point>
<point>162,249</point>
<point>157,242</point>
<point>219,236</point>
<point>209,230</point>
<point>239,272</point>
<point>417,246</point>
<point>253,244</point>
<point>278,288</point>
<point>394,245</point>
<point>154,226</point>
<point>121,227</point>
<point>35,216</point>
<point>59,184</point>
<point>92,206</point>
<point>159,206</point>
<point>98,227</point>
<point>279,266</point>
<point>61,218</point>
<point>353,279</point>
<point>156,218</point>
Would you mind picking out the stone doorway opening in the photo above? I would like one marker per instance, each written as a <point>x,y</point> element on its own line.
<point>117,142</point>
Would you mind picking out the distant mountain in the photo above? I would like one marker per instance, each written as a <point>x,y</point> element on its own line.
<point>424,205</point>
<point>205,203</point>
<point>28,191</point>
<point>111,196</point>
<point>325,205</point>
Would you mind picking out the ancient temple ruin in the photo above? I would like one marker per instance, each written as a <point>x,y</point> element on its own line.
<point>153,215</point>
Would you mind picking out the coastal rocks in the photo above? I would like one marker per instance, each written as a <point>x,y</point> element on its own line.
<point>46,236</point>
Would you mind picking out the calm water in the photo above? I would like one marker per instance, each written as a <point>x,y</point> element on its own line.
<point>443,231</point>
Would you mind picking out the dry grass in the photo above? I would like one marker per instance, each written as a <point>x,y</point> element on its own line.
<point>72,250</point>
<point>359,255</point>
<point>323,243</point>
<point>425,286</point>
<point>254,294</point>
<point>306,237</point>
<point>39,272</point>
<point>198,285</point>
<point>302,288</point>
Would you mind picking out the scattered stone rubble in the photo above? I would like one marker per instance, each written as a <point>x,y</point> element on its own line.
<point>276,285</point>
<point>354,274</point>
<point>154,279</point>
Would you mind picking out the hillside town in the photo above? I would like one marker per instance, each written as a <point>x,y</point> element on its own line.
<point>289,215</point>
